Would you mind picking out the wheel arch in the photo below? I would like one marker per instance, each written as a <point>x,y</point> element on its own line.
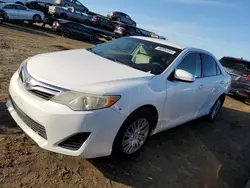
<point>153,111</point>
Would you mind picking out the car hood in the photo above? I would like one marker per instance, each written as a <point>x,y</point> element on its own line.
<point>81,70</point>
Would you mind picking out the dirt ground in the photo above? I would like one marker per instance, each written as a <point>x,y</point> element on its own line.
<point>197,154</point>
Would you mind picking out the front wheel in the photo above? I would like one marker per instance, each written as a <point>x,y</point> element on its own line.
<point>133,134</point>
<point>37,18</point>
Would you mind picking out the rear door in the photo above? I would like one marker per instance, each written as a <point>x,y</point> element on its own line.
<point>211,85</point>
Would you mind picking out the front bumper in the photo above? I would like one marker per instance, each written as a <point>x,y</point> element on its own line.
<point>60,123</point>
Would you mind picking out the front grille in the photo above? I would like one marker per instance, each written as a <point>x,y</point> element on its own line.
<point>75,142</point>
<point>40,89</point>
<point>41,94</point>
<point>39,129</point>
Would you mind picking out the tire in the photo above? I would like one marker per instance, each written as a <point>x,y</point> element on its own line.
<point>215,110</point>
<point>1,19</point>
<point>247,101</point>
<point>121,146</point>
<point>93,39</point>
<point>37,18</point>
<point>66,5</point>
<point>20,3</point>
<point>63,16</point>
<point>65,33</point>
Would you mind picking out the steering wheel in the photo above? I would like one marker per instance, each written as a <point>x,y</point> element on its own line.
<point>159,69</point>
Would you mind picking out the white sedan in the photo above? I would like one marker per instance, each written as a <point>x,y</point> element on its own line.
<point>20,12</point>
<point>112,97</point>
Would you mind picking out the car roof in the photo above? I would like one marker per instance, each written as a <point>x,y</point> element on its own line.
<point>236,59</point>
<point>161,41</point>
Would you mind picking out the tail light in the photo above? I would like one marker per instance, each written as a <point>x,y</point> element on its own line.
<point>246,75</point>
<point>122,28</point>
<point>57,24</point>
<point>94,19</point>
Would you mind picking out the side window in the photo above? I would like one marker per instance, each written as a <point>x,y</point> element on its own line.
<point>78,3</point>
<point>192,64</point>
<point>9,7</point>
<point>218,71</point>
<point>18,7</point>
<point>209,66</point>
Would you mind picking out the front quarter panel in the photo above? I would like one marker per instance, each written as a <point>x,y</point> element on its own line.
<point>152,92</point>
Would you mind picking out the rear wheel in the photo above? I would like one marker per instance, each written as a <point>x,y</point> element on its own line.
<point>64,16</point>
<point>94,38</point>
<point>65,33</point>
<point>37,18</point>
<point>215,109</point>
<point>247,101</point>
<point>133,134</point>
<point>20,3</point>
<point>1,19</point>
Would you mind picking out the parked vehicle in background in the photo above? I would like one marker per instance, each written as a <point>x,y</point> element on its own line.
<point>112,97</point>
<point>127,30</point>
<point>68,14</point>
<point>38,5</point>
<point>102,23</point>
<point>121,17</point>
<point>57,23</point>
<point>20,12</point>
<point>77,31</point>
<point>3,16</point>
<point>78,6</point>
<point>21,2</point>
<point>239,70</point>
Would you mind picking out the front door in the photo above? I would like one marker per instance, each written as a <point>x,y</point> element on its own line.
<point>23,13</point>
<point>180,104</point>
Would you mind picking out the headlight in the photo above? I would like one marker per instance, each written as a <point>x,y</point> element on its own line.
<point>81,102</point>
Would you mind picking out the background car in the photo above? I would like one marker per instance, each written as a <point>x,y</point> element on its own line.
<point>78,6</point>
<point>3,16</point>
<point>20,12</point>
<point>102,23</point>
<point>121,17</point>
<point>77,31</point>
<point>68,14</point>
<point>38,5</point>
<point>21,2</point>
<point>239,71</point>
<point>127,30</point>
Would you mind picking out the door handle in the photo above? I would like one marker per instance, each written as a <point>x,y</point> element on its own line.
<point>222,82</point>
<point>201,86</point>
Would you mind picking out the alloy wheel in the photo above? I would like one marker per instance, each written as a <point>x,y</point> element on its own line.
<point>135,136</point>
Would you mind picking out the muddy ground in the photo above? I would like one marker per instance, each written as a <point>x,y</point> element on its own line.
<point>197,154</point>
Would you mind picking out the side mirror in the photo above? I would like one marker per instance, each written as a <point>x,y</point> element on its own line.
<point>183,75</point>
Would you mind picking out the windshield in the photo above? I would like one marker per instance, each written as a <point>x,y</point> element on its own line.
<point>237,66</point>
<point>139,54</point>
